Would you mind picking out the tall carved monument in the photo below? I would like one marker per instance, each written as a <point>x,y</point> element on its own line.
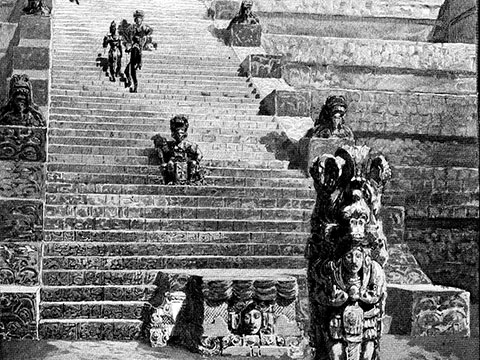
<point>347,253</point>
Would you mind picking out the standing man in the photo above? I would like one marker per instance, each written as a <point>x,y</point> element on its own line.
<point>115,53</point>
<point>136,37</point>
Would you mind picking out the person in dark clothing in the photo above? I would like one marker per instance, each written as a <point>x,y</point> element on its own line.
<point>115,52</point>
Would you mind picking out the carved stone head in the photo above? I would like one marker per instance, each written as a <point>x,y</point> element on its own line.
<point>138,16</point>
<point>20,93</point>
<point>251,319</point>
<point>179,127</point>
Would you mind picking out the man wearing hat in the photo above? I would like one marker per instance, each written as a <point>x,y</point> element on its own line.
<point>137,35</point>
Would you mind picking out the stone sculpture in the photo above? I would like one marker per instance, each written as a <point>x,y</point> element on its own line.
<point>115,53</point>
<point>245,16</point>
<point>137,36</point>
<point>20,108</point>
<point>346,254</point>
<point>331,121</point>
<point>179,158</point>
<point>36,7</point>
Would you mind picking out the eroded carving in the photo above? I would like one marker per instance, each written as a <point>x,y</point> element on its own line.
<point>23,180</point>
<point>20,108</point>
<point>245,15</point>
<point>36,7</point>
<point>18,264</point>
<point>179,158</point>
<point>17,316</point>
<point>20,220</point>
<point>163,319</point>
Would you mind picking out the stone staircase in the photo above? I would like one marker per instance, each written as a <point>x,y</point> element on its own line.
<point>109,226</point>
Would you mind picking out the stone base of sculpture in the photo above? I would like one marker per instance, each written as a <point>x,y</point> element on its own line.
<point>245,35</point>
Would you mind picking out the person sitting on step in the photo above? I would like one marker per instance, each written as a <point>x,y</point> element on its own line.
<point>115,52</point>
<point>179,158</point>
<point>245,15</point>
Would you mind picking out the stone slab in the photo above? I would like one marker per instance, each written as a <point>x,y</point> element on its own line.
<point>34,27</point>
<point>372,52</point>
<point>18,314</point>
<point>286,103</point>
<point>21,221</point>
<point>19,264</point>
<point>93,330</point>
<point>22,143</point>
<point>260,65</point>
<point>224,9</point>
<point>428,310</point>
<point>22,180</point>
<point>402,268</point>
<point>37,58</point>
<point>367,78</point>
<point>7,31</point>
<point>245,35</point>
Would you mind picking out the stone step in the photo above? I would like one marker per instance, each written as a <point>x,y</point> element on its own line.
<point>148,65</point>
<point>216,123</point>
<point>212,178</point>
<point>133,209</point>
<point>145,131</point>
<point>153,103</point>
<point>183,49</point>
<point>91,329</point>
<point>159,58</point>
<point>150,71</point>
<point>167,262</point>
<point>143,160</point>
<point>163,249</point>
<point>90,223</point>
<point>192,109</point>
<point>216,168</point>
<point>160,236</point>
<point>372,52</point>
<point>169,91</point>
<point>164,195</point>
<point>121,310</point>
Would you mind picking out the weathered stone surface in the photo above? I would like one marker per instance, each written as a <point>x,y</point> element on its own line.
<point>393,219</point>
<point>96,293</point>
<point>34,27</point>
<point>21,221</point>
<point>402,267</point>
<point>317,147</point>
<point>18,315</point>
<point>35,58</point>
<point>22,179</point>
<point>19,264</point>
<point>40,91</point>
<point>245,35</point>
<point>368,78</point>
<point>456,22</point>
<point>7,31</point>
<point>105,330</point>
<point>286,103</point>
<point>428,310</point>
<point>426,114</point>
<point>260,65</point>
<point>22,143</point>
<point>125,311</point>
<point>417,9</point>
<point>224,9</point>
<point>448,255</point>
<point>372,52</point>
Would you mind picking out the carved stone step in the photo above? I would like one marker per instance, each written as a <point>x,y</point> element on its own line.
<point>98,329</point>
<point>152,73</point>
<point>96,293</point>
<point>172,262</point>
<point>90,223</point>
<point>107,310</point>
<point>171,249</point>
<point>160,236</point>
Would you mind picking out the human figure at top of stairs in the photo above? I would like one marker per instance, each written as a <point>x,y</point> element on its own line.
<point>115,52</point>
<point>136,37</point>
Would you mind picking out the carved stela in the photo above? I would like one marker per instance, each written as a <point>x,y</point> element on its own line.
<point>347,253</point>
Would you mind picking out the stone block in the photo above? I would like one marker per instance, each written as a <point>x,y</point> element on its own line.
<point>245,35</point>
<point>7,31</point>
<point>402,268</point>
<point>35,58</point>
<point>286,103</point>
<point>262,65</point>
<point>224,9</point>
<point>22,179</point>
<point>19,264</point>
<point>88,330</point>
<point>205,313</point>
<point>34,27</point>
<point>21,221</point>
<point>18,314</point>
<point>428,310</point>
<point>22,143</point>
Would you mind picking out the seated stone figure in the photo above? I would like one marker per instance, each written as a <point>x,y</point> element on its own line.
<point>179,158</point>
<point>36,7</point>
<point>20,109</point>
<point>245,15</point>
<point>114,42</point>
<point>331,121</point>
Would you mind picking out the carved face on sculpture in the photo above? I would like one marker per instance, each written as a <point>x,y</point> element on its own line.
<point>20,92</point>
<point>246,7</point>
<point>338,117</point>
<point>251,321</point>
<point>179,128</point>
<point>138,17</point>
<point>356,216</point>
<point>353,260</point>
